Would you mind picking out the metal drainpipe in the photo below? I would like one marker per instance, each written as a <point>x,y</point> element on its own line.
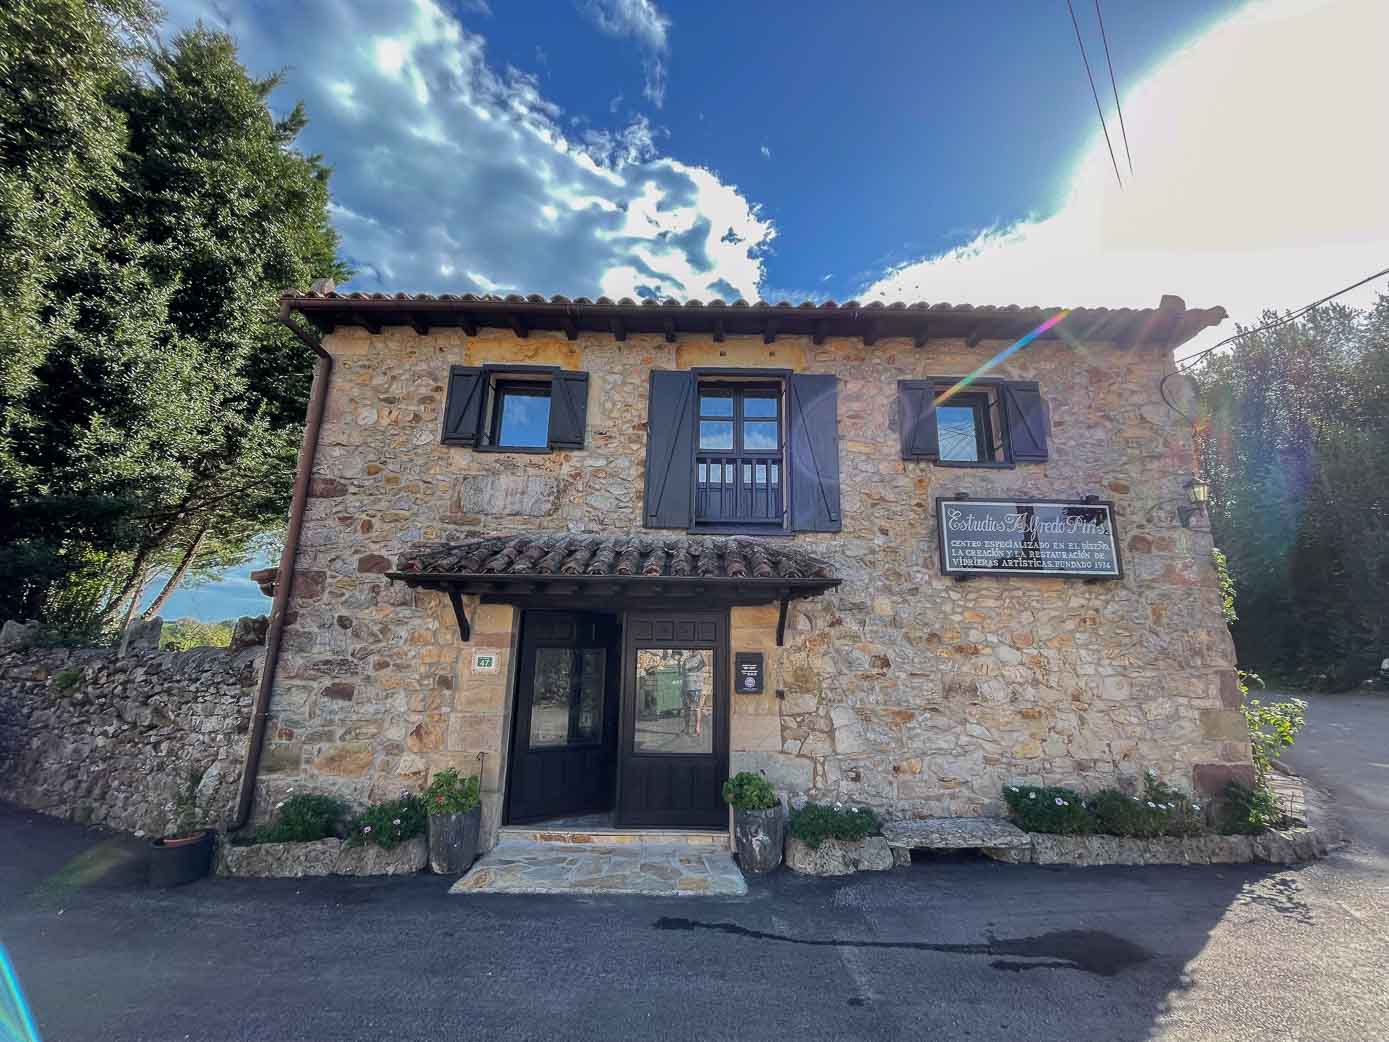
<point>284,579</point>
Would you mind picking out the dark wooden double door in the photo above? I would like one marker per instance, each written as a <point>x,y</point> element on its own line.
<point>621,713</point>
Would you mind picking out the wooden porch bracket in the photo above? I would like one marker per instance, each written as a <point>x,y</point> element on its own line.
<point>464,630</point>
<point>781,622</point>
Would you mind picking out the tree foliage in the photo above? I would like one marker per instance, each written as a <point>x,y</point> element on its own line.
<point>151,209</point>
<point>1295,442</point>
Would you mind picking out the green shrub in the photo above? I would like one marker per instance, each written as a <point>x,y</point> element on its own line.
<point>1272,728</point>
<point>389,824</point>
<point>748,791</point>
<point>1160,811</point>
<point>1048,808</point>
<point>66,680</point>
<point>449,794</point>
<point>1249,811</point>
<point>816,822</point>
<point>300,819</point>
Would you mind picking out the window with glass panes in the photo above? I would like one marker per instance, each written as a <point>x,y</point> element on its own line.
<point>739,455</point>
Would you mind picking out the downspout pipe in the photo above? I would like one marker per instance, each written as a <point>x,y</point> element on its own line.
<point>284,579</point>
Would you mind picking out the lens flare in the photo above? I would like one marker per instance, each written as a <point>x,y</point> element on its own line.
<point>16,1023</point>
<point>1017,345</point>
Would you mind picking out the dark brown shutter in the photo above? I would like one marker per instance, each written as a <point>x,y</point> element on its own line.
<point>670,450</point>
<point>463,410</point>
<point>916,419</point>
<point>1026,415</point>
<point>568,409</point>
<point>814,452</point>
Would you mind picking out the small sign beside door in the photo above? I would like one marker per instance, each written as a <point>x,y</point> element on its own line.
<point>747,672</point>
<point>485,661</point>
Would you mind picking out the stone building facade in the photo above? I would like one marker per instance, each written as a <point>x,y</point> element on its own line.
<point>900,687</point>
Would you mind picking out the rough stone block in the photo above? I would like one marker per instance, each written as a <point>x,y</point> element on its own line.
<point>1224,725</point>
<point>835,857</point>
<point>370,860</point>
<point>755,733</point>
<point>1210,779</point>
<point>787,773</point>
<point>275,860</point>
<point>506,495</point>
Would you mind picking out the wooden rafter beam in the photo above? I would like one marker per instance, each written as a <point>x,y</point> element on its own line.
<point>571,327</point>
<point>669,325</point>
<point>976,334</point>
<point>518,325</point>
<point>870,332</point>
<point>369,322</point>
<point>619,328</point>
<point>718,331</point>
<point>769,330</point>
<point>420,323</point>
<point>821,328</point>
<point>922,334</point>
<point>467,324</point>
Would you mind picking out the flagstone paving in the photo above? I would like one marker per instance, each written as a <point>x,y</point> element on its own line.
<point>522,866</point>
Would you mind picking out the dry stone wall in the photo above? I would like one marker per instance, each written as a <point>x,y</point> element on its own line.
<point>903,689</point>
<point>100,739</point>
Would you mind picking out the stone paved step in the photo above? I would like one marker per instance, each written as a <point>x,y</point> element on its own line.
<point>520,866</point>
<point>954,834</point>
<point>617,837</point>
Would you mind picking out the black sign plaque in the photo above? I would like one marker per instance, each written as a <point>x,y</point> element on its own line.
<point>747,672</point>
<point>1068,538</point>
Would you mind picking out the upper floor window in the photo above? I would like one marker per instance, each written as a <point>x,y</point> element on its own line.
<point>738,461</point>
<point>517,408</point>
<point>989,423</point>
<point>733,452</point>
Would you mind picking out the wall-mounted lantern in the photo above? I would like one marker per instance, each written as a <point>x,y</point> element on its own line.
<point>1198,491</point>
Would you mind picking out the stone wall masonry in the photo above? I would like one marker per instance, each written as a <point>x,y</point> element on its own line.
<point>99,739</point>
<point>903,689</point>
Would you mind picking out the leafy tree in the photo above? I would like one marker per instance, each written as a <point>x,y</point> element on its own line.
<point>182,634</point>
<point>152,430</point>
<point>1295,441</point>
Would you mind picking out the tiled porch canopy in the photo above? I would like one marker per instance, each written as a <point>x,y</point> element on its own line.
<point>602,568</point>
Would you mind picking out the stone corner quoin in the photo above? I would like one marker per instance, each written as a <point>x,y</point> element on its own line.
<point>903,689</point>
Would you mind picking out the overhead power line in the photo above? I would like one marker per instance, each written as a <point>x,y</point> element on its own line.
<point>1187,364</point>
<point>1115,87</point>
<point>1094,93</point>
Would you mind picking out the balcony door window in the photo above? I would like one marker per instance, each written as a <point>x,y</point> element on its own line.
<point>739,456</point>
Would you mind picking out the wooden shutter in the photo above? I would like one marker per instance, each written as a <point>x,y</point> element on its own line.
<point>1026,415</point>
<point>670,450</point>
<point>916,419</point>
<point>568,409</point>
<point>813,462</point>
<point>463,410</point>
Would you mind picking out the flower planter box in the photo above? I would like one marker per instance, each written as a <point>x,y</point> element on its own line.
<point>1279,847</point>
<point>836,857</point>
<point>760,836</point>
<point>453,840</point>
<point>324,857</point>
<point>176,861</point>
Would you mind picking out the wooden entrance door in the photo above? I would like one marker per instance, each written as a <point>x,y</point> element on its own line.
<point>564,735</point>
<point>673,755</point>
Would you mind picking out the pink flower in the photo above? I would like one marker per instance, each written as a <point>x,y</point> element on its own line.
<point>366,828</point>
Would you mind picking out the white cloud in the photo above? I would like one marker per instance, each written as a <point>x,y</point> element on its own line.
<point>1260,181</point>
<point>645,23</point>
<point>766,152</point>
<point>452,175</point>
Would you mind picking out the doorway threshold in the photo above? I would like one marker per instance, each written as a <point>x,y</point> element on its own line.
<point>598,830</point>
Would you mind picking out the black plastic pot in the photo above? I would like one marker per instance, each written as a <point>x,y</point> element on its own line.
<point>453,840</point>
<point>175,860</point>
<point>760,836</point>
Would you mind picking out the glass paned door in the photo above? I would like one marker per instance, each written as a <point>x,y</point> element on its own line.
<point>567,703</point>
<point>673,752</point>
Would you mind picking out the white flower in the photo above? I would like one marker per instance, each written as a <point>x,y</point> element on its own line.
<point>396,822</point>
<point>1012,788</point>
<point>279,805</point>
<point>839,806</point>
<point>1152,804</point>
<point>1031,795</point>
<point>1135,799</point>
<point>1196,806</point>
<point>1061,803</point>
<point>366,828</point>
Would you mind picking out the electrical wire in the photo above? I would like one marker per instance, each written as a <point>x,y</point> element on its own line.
<point>1115,87</point>
<point>1189,363</point>
<point>1094,93</point>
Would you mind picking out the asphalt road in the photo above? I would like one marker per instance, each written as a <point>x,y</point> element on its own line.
<point>956,949</point>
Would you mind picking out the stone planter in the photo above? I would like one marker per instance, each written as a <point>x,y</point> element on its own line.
<point>453,840</point>
<point>324,857</point>
<point>836,857</point>
<point>1284,846</point>
<point>760,836</point>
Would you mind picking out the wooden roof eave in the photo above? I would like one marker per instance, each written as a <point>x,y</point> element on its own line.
<point>508,586</point>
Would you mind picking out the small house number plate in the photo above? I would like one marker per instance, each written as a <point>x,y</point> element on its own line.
<point>485,661</point>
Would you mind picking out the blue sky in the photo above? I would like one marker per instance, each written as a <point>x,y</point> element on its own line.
<point>936,151</point>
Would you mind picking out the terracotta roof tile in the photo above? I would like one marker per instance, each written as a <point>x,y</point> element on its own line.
<point>616,555</point>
